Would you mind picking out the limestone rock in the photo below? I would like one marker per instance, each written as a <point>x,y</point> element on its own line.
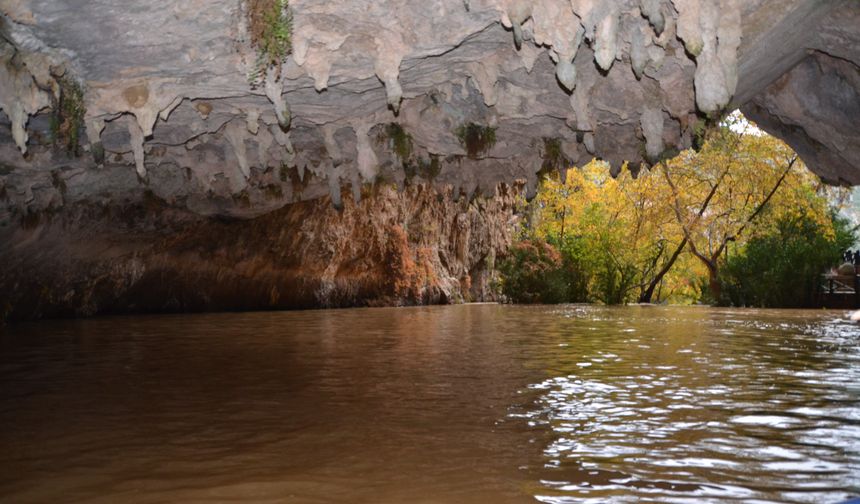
<point>578,71</point>
<point>415,246</point>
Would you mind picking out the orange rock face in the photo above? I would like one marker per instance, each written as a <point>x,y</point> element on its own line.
<point>415,246</point>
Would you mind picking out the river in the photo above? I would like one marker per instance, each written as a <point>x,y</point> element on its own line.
<point>459,404</point>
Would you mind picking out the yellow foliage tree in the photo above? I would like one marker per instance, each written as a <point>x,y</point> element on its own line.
<point>718,193</point>
<point>653,236</point>
<point>616,228</point>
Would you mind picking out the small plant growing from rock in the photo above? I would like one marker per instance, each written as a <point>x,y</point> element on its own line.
<point>399,141</point>
<point>553,157</point>
<point>270,24</point>
<point>429,169</point>
<point>700,132</point>
<point>476,139</point>
<point>704,127</point>
<point>68,115</point>
<point>401,144</point>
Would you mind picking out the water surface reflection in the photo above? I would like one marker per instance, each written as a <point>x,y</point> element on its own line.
<point>476,403</point>
<point>722,405</point>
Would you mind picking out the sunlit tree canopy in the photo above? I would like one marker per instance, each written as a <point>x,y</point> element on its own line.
<point>665,234</point>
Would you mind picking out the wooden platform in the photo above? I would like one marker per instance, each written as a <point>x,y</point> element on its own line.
<point>840,291</point>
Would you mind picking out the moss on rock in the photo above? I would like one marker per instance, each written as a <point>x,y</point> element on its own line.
<point>68,115</point>
<point>476,139</point>
<point>270,24</point>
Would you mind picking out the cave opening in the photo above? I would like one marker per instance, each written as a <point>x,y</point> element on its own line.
<point>440,251</point>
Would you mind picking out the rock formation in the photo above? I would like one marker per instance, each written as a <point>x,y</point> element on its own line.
<point>108,103</point>
<point>174,90</point>
<point>414,246</point>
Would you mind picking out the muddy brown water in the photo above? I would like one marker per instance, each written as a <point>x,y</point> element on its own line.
<point>460,404</point>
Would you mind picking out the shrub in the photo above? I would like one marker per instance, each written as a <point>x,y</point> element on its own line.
<point>533,272</point>
<point>399,141</point>
<point>476,139</point>
<point>553,156</point>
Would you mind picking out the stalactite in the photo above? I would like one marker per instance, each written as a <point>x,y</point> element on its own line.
<point>652,127</point>
<point>252,120</point>
<point>518,12</point>
<point>274,88</point>
<point>367,162</point>
<point>565,72</point>
<point>688,26</point>
<point>387,67</point>
<point>137,139</point>
<point>20,97</point>
<point>236,135</point>
<point>640,40</point>
<point>394,93</point>
<point>653,11</point>
<point>334,187</point>
<point>606,40</point>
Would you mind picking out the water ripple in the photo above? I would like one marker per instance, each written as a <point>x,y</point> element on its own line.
<point>739,406</point>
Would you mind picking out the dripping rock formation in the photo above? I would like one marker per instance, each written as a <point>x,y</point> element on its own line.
<point>113,104</point>
<point>394,248</point>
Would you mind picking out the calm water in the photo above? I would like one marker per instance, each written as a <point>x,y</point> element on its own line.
<point>477,403</point>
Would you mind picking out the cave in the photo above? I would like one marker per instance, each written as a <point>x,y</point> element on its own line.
<point>169,157</point>
<point>256,251</point>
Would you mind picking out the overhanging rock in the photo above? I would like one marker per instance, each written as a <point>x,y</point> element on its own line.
<point>467,93</point>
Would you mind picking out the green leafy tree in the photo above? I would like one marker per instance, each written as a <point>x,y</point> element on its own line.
<point>781,265</point>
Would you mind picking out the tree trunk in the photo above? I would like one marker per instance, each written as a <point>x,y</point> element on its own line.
<point>563,216</point>
<point>714,283</point>
<point>646,296</point>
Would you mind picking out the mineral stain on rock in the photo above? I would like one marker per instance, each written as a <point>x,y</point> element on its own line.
<point>415,246</point>
<point>136,96</point>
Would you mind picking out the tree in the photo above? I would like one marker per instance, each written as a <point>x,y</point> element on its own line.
<point>533,273</point>
<point>781,264</point>
<point>720,191</point>
<point>617,231</point>
<point>656,236</point>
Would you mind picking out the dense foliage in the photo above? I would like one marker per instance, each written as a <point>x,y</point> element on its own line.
<point>664,236</point>
<point>533,274</point>
<point>780,266</point>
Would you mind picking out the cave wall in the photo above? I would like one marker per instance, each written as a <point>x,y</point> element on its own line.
<point>394,248</point>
